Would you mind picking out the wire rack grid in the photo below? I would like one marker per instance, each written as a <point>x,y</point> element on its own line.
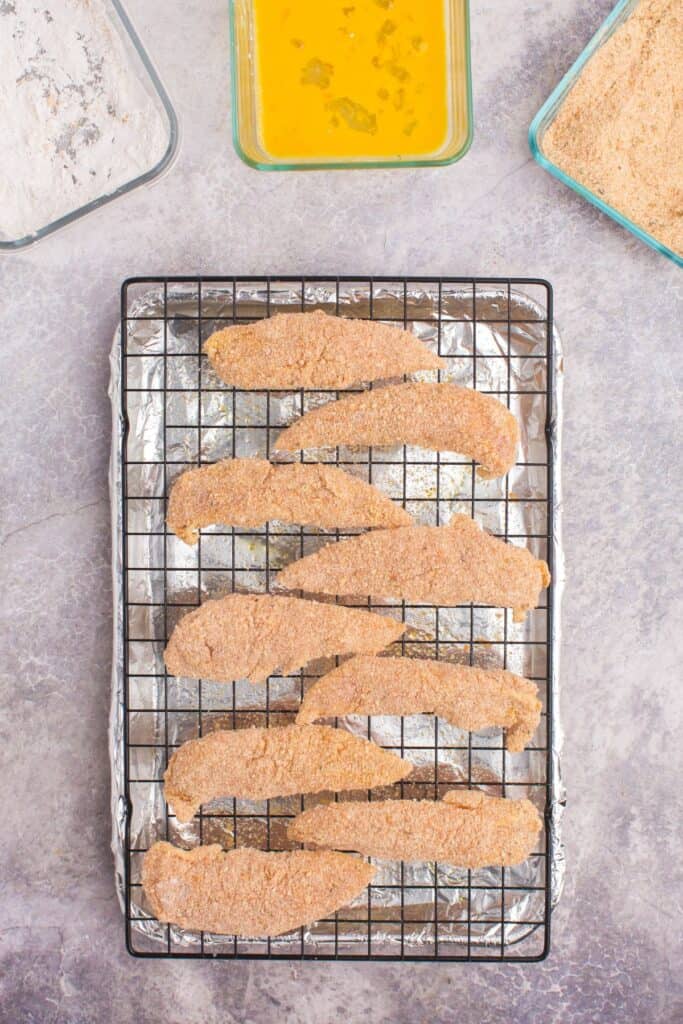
<point>497,336</point>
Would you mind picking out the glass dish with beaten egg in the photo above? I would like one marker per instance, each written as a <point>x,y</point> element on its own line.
<point>350,83</point>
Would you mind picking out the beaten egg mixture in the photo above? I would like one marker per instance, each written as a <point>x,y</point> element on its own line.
<point>352,78</point>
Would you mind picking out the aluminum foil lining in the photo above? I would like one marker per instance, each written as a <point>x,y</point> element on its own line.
<point>171,415</point>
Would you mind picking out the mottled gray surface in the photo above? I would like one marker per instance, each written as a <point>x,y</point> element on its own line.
<point>619,306</point>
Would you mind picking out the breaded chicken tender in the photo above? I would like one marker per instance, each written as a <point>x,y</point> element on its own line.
<point>466,696</point>
<point>257,764</point>
<point>467,829</point>
<point>249,636</point>
<point>440,565</point>
<point>250,492</point>
<point>314,350</point>
<point>442,417</point>
<point>248,892</point>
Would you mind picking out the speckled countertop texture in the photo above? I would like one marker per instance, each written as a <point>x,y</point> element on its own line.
<point>619,306</point>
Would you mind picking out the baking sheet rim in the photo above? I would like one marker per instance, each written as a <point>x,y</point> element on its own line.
<point>119,808</point>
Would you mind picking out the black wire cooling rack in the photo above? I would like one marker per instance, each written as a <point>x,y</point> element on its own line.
<point>495,335</point>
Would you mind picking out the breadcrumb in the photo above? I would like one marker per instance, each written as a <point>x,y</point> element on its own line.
<point>441,565</point>
<point>468,697</point>
<point>619,130</point>
<point>441,417</point>
<point>250,492</point>
<point>315,350</point>
<point>248,892</point>
<point>467,828</point>
<point>257,764</point>
<point>249,636</point>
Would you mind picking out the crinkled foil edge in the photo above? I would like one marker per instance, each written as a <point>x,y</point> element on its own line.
<point>557,788</point>
<point>117,753</point>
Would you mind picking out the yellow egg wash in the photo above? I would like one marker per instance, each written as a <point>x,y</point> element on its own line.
<point>351,78</point>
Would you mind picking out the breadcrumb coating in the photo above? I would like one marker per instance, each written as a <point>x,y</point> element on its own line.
<point>250,636</point>
<point>315,350</point>
<point>468,697</point>
<point>258,764</point>
<point>250,492</point>
<point>441,417</point>
<point>467,829</point>
<point>441,565</point>
<point>619,129</point>
<point>248,892</point>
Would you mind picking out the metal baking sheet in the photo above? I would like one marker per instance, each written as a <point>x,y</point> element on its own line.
<point>170,411</point>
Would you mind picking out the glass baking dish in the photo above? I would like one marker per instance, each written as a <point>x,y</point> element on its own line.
<point>139,66</point>
<point>549,111</point>
<point>246,90</point>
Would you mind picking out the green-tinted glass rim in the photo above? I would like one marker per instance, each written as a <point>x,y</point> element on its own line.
<point>342,165</point>
<point>549,110</point>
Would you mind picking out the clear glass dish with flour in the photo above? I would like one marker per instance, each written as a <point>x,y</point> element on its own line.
<point>83,114</point>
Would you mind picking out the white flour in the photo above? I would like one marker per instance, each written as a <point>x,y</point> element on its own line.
<point>76,121</point>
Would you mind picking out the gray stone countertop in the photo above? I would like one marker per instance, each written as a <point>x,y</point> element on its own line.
<point>619,308</point>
